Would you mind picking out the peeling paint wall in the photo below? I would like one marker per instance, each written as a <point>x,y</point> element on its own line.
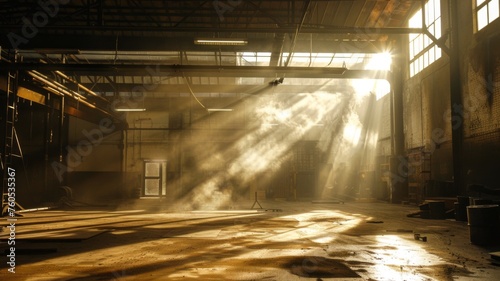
<point>427,108</point>
<point>482,107</point>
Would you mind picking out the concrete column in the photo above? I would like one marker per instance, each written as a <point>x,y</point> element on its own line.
<point>456,98</point>
<point>398,163</point>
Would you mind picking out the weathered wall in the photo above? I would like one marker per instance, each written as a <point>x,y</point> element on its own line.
<point>94,161</point>
<point>427,108</point>
<point>94,147</point>
<point>481,72</point>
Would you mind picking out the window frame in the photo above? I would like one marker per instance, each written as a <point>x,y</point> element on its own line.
<point>484,5</point>
<point>420,56</point>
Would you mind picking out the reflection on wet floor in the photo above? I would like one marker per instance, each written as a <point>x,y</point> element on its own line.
<point>304,241</point>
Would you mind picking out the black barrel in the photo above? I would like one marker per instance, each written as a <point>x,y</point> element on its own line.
<point>484,222</point>
<point>461,208</point>
<point>437,210</point>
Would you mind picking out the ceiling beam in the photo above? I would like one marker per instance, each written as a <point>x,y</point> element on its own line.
<point>176,90</point>
<point>306,29</point>
<point>159,70</point>
<point>322,44</point>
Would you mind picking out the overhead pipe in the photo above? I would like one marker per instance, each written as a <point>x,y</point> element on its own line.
<point>57,89</point>
<point>80,86</point>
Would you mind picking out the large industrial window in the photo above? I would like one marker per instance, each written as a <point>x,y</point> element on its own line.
<point>423,51</point>
<point>486,12</point>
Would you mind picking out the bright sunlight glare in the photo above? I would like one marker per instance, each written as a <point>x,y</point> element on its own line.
<point>280,121</point>
<point>380,61</point>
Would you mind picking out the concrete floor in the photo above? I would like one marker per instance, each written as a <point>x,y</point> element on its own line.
<point>143,240</point>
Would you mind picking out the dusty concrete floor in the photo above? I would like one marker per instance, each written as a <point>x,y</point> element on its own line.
<point>143,240</point>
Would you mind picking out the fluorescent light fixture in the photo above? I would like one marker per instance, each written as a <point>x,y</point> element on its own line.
<point>129,109</point>
<point>221,41</point>
<point>219,109</point>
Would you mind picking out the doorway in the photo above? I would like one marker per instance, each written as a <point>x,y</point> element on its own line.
<point>155,180</point>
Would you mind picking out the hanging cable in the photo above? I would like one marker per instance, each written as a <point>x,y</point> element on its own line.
<point>297,31</point>
<point>116,50</point>
<point>191,91</point>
